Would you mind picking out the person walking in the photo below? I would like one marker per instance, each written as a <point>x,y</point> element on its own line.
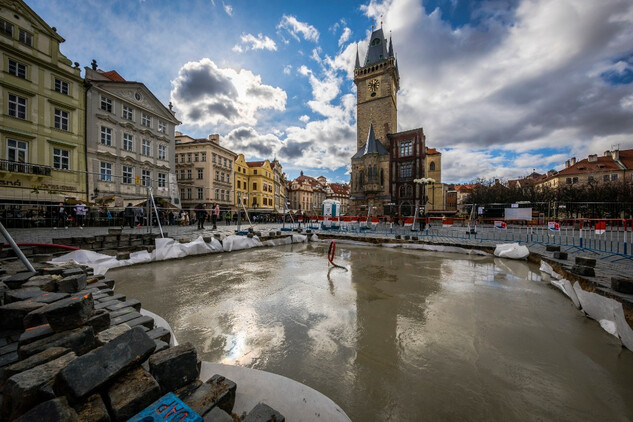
<point>139,213</point>
<point>80,213</point>
<point>61,216</point>
<point>215,214</point>
<point>128,215</point>
<point>201,215</point>
<point>227,218</point>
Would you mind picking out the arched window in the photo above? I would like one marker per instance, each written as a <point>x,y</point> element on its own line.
<point>382,177</point>
<point>432,166</point>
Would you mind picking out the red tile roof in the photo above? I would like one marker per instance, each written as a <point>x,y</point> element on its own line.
<point>254,163</point>
<point>626,157</point>
<point>339,188</point>
<point>585,166</point>
<point>113,76</point>
<point>431,151</point>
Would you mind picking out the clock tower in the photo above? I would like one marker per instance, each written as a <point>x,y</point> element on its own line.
<point>377,84</point>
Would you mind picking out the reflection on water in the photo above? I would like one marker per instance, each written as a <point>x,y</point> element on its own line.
<point>403,335</point>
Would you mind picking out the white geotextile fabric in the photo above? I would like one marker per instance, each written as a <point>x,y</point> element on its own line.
<point>608,312</point>
<point>440,248</point>
<point>512,251</point>
<point>236,243</point>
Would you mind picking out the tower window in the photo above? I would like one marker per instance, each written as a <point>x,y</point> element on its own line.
<point>432,166</point>
<point>375,41</point>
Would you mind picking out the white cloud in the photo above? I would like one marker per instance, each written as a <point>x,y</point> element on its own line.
<point>252,42</point>
<point>287,69</point>
<point>295,27</point>
<point>344,36</point>
<point>205,94</point>
<point>228,9</point>
<point>305,118</point>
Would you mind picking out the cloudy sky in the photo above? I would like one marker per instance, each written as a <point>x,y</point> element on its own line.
<point>501,87</point>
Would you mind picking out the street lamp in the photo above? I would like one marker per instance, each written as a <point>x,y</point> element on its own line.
<point>424,181</point>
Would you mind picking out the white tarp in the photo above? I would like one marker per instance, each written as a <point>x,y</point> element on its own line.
<point>518,214</point>
<point>562,284</point>
<point>236,243</point>
<point>511,250</point>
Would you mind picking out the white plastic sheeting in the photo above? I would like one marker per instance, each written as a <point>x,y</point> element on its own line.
<point>440,248</point>
<point>160,322</point>
<point>608,312</point>
<point>512,251</point>
<point>236,243</point>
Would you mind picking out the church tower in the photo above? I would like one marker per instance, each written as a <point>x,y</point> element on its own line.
<point>377,84</point>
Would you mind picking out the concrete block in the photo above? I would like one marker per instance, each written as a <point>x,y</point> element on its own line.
<point>174,367</point>
<point>131,393</point>
<point>80,340</point>
<point>69,313</point>
<point>552,248</point>
<point>16,281</point>
<point>22,390</point>
<point>93,409</point>
<point>35,360</point>
<point>583,270</point>
<point>12,315</point>
<point>587,262</point>
<point>560,255</point>
<point>264,413</point>
<point>53,410</point>
<point>111,333</point>
<point>89,372</point>
<point>35,333</point>
<point>622,284</point>
<point>99,321</point>
<point>72,283</point>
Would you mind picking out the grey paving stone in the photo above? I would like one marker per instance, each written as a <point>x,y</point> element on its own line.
<point>131,393</point>
<point>80,340</point>
<point>54,410</point>
<point>174,367</point>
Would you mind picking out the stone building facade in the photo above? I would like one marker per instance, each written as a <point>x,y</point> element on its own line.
<point>387,162</point>
<point>204,170</point>
<point>129,141</point>
<point>42,131</point>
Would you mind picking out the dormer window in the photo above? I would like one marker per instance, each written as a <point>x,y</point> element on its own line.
<point>375,41</point>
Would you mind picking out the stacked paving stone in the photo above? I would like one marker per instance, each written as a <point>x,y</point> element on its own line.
<point>71,349</point>
<point>112,242</point>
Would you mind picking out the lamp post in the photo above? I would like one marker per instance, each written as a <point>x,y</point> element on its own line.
<point>424,181</point>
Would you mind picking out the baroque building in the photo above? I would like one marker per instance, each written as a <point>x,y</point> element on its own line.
<point>42,131</point>
<point>129,141</point>
<point>204,170</point>
<point>388,163</point>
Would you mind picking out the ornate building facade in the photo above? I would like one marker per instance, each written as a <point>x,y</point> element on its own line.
<point>387,163</point>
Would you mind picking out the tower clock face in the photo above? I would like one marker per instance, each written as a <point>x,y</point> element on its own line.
<point>373,85</point>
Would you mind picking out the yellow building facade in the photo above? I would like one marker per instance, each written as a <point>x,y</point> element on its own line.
<point>261,196</point>
<point>42,131</point>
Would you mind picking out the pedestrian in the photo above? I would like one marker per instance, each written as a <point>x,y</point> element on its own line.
<point>139,213</point>
<point>201,215</point>
<point>80,213</point>
<point>234,218</point>
<point>227,218</point>
<point>215,214</point>
<point>128,215</point>
<point>171,217</point>
<point>61,217</point>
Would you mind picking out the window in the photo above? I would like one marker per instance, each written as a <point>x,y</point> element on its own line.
<point>162,127</point>
<point>254,171</point>
<point>239,184</point>
<point>128,142</point>
<point>200,193</point>
<point>146,120</point>
<point>614,177</point>
<point>196,157</point>
<point>162,152</point>
<point>17,107</point>
<point>61,86</point>
<point>406,169</point>
<point>182,158</point>
<point>189,157</point>
<point>106,136</point>
<point>162,180</point>
<point>147,147</point>
<point>146,177</point>
<point>17,69</point>
<point>222,177</point>
<point>106,172</point>
<point>217,194</point>
<point>128,175</point>
<point>61,119</point>
<point>128,113</point>
<point>200,173</point>
<point>217,175</point>
<point>213,158</point>
<point>17,151</point>
<point>188,193</point>
<point>6,28</point>
<point>182,174</point>
<point>225,164</point>
<point>432,166</point>
<point>230,164</point>
<point>182,194</point>
<point>189,175</point>
<point>106,104</point>
<point>254,186</point>
<point>203,157</point>
<point>61,159</point>
<point>25,37</point>
<point>605,178</point>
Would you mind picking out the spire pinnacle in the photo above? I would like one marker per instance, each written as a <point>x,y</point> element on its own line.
<point>357,64</point>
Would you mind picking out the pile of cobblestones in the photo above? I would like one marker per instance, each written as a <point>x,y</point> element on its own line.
<point>72,349</point>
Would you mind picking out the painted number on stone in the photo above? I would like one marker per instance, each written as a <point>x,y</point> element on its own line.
<point>168,408</point>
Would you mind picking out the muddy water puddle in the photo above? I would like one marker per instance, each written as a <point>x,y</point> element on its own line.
<point>401,336</point>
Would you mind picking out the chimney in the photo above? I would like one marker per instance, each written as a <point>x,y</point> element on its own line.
<point>178,133</point>
<point>573,161</point>
<point>215,138</point>
<point>592,158</point>
<point>615,154</point>
<point>567,164</point>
